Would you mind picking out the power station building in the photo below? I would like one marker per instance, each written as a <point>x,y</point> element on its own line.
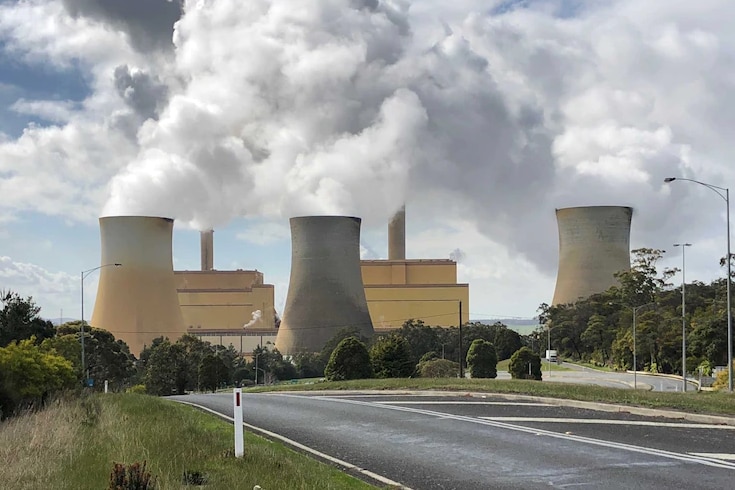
<point>146,298</point>
<point>594,244</point>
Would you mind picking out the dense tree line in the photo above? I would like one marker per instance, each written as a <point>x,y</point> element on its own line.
<point>599,328</point>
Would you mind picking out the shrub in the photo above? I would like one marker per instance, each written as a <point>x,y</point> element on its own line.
<point>132,477</point>
<point>391,358</point>
<point>482,360</point>
<point>439,368</point>
<point>722,380</point>
<point>138,389</point>
<point>520,362</point>
<point>349,360</point>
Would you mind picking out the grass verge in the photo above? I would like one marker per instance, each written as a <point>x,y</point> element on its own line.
<point>715,403</point>
<point>73,444</point>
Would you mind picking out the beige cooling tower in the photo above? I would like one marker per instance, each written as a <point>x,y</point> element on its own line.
<point>325,292</point>
<point>594,244</point>
<point>138,301</point>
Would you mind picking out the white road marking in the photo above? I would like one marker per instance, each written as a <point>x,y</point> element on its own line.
<point>538,432</point>
<point>512,404</point>
<point>723,456</point>
<point>610,422</point>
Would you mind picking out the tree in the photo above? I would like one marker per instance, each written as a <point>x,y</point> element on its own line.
<point>421,338</point>
<point>391,358</point>
<point>308,364</point>
<point>439,368</point>
<point>522,361</point>
<point>107,359</point>
<point>213,372</point>
<point>166,369</point>
<point>28,374</point>
<point>19,320</point>
<point>332,343</point>
<point>349,360</point>
<point>482,360</point>
<point>642,282</point>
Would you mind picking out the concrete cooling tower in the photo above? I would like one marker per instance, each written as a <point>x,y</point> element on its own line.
<point>594,244</point>
<point>325,292</point>
<point>397,235</point>
<point>138,301</point>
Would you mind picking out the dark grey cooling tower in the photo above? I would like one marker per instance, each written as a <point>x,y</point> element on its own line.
<point>325,293</point>
<point>594,244</point>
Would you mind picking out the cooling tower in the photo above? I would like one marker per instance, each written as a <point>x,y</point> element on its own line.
<point>397,235</point>
<point>207,249</point>
<point>325,292</point>
<point>138,301</point>
<point>594,244</point>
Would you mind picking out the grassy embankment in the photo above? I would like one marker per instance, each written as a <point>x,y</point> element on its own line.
<point>74,443</point>
<point>716,403</point>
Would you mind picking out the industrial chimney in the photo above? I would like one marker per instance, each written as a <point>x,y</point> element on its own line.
<point>138,301</point>
<point>207,249</point>
<point>594,244</point>
<point>325,292</point>
<point>397,235</point>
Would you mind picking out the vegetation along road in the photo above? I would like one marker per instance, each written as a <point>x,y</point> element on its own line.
<point>434,441</point>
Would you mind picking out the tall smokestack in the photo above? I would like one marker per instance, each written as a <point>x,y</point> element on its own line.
<point>138,301</point>
<point>207,249</point>
<point>325,292</point>
<point>594,244</point>
<point>397,235</point>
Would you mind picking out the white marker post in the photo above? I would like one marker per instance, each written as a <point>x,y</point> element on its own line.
<point>239,437</point>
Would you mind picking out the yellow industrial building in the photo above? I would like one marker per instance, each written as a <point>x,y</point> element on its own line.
<point>237,308</point>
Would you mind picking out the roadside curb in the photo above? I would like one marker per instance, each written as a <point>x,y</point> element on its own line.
<point>602,407</point>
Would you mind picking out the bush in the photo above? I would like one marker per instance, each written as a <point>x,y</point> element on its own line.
<point>520,362</point>
<point>349,360</point>
<point>482,361</point>
<point>138,389</point>
<point>722,380</point>
<point>439,368</point>
<point>391,358</point>
<point>132,477</point>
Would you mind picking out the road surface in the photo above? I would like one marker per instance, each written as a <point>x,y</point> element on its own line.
<point>488,441</point>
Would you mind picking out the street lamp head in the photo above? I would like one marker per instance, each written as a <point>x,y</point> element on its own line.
<point>669,179</point>
<point>117,265</point>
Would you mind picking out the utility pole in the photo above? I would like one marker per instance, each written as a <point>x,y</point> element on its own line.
<point>461,361</point>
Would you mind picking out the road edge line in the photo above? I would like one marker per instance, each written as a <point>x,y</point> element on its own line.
<point>380,478</point>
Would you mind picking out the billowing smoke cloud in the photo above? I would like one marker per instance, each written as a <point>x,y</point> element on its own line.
<point>256,318</point>
<point>497,112</point>
<point>148,23</point>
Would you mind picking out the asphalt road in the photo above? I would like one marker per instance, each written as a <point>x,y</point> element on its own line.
<point>584,375</point>
<point>481,442</point>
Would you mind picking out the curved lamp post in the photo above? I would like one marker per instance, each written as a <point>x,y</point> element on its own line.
<point>83,276</point>
<point>724,193</point>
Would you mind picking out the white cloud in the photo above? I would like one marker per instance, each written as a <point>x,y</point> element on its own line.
<point>465,113</point>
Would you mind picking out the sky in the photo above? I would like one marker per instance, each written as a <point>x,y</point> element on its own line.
<point>483,117</point>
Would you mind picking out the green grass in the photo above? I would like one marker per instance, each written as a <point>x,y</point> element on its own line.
<point>716,403</point>
<point>74,444</point>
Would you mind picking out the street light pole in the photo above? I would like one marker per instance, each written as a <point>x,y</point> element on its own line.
<point>726,196</point>
<point>683,314</point>
<point>82,276</point>
<point>635,359</point>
